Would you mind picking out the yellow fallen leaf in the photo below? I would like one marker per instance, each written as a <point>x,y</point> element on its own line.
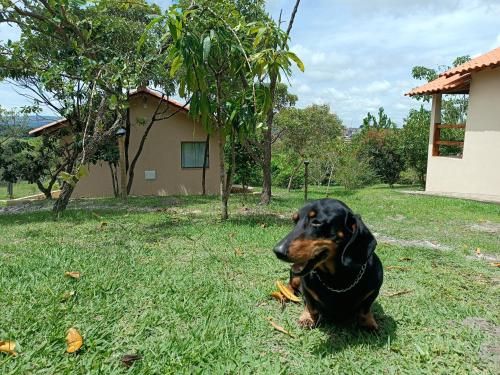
<point>495,264</point>
<point>478,250</point>
<point>74,340</point>
<point>280,328</point>
<point>72,274</point>
<point>287,292</point>
<point>8,347</point>
<point>278,296</point>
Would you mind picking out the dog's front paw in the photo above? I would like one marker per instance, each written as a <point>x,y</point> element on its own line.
<point>367,321</point>
<point>306,320</point>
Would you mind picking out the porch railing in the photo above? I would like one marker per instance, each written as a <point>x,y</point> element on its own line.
<point>442,142</point>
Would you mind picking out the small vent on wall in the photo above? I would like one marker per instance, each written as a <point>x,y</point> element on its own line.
<point>150,175</point>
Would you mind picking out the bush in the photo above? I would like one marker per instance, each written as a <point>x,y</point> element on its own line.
<point>410,177</point>
<point>282,169</point>
<point>351,169</point>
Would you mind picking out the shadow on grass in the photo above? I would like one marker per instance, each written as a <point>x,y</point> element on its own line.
<point>342,336</point>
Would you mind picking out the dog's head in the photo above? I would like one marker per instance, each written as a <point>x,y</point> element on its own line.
<point>326,233</point>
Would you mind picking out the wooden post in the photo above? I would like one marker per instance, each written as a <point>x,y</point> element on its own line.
<point>306,176</point>
<point>10,190</point>
<point>435,133</point>
<point>123,169</point>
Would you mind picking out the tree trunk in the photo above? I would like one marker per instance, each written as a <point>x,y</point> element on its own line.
<point>63,200</point>
<point>46,191</point>
<point>203,175</point>
<point>266,161</point>
<point>114,180</point>
<point>224,197</point>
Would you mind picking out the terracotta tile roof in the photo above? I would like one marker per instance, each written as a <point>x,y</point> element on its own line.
<point>457,80</point>
<point>142,90</point>
<point>488,60</point>
<point>452,85</point>
<point>157,94</point>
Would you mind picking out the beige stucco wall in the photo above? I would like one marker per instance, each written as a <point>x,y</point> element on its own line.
<point>161,153</point>
<point>478,171</point>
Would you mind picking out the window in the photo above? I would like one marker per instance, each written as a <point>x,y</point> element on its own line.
<point>192,154</point>
<point>448,140</point>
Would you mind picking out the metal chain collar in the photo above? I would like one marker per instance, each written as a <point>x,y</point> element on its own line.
<point>360,275</point>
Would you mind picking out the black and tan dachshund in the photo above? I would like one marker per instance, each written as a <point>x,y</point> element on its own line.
<point>334,266</point>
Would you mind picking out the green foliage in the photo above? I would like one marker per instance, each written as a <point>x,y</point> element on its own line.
<point>221,60</point>
<point>39,161</point>
<point>379,143</point>
<point>382,121</point>
<point>415,141</point>
<point>410,177</point>
<point>350,168</point>
<point>302,134</point>
<point>13,123</point>
<point>283,168</point>
<point>248,172</point>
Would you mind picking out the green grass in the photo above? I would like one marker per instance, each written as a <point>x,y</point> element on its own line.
<point>21,189</point>
<point>163,279</point>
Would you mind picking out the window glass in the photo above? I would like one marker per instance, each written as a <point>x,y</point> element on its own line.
<point>192,154</point>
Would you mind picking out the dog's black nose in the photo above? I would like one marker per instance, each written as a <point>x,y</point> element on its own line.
<point>280,251</point>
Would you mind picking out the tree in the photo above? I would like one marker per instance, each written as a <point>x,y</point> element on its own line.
<point>13,123</point>
<point>307,134</point>
<point>79,58</point>
<point>275,47</point>
<point>415,141</point>
<point>379,144</point>
<point>37,161</point>
<point>213,52</point>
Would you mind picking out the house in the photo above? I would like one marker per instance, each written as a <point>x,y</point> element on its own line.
<point>475,171</point>
<point>171,161</point>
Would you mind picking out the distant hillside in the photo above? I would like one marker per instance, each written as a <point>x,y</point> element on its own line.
<point>36,121</point>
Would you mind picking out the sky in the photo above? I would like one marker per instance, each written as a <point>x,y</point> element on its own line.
<point>358,54</point>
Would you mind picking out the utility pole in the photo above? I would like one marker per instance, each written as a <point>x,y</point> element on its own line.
<point>306,176</point>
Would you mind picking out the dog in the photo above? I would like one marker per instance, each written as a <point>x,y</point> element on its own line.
<point>334,266</point>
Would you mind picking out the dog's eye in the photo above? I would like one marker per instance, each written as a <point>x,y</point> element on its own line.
<point>315,223</point>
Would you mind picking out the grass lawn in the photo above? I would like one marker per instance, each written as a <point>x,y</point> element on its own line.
<point>21,189</point>
<point>164,278</point>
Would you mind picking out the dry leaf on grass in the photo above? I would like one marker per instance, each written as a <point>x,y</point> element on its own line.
<point>8,347</point>
<point>74,340</point>
<point>278,296</point>
<point>398,293</point>
<point>238,251</point>
<point>405,259</point>
<point>129,359</point>
<point>478,250</point>
<point>399,268</point>
<point>287,292</point>
<point>103,224</point>
<point>73,274</point>
<point>280,328</point>
<point>495,264</point>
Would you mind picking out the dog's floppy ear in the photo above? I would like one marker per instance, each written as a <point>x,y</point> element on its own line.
<point>361,245</point>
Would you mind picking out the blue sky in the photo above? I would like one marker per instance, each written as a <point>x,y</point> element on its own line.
<point>358,54</point>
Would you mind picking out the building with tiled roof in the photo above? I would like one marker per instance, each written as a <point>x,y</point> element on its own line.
<point>475,170</point>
